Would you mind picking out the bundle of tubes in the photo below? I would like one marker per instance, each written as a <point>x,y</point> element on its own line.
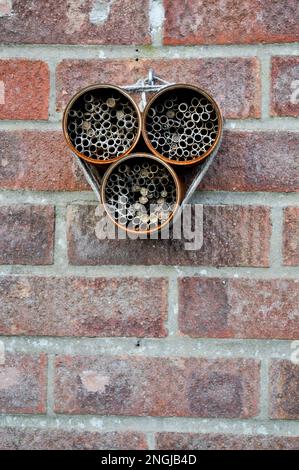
<point>102,124</point>
<point>140,194</point>
<point>182,125</point>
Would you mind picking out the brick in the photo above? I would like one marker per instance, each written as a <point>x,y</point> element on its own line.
<point>26,234</point>
<point>5,7</point>
<point>194,441</point>
<point>142,386</point>
<point>23,383</point>
<point>39,161</point>
<point>83,306</point>
<point>232,236</point>
<point>239,308</point>
<point>233,82</point>
<point>59,439</point>
<point>284,390</point>
<point>255,161</point>
<point>237,22</point>
<point>291,236</point>
<point>285,86</point>
<point>77,22</point>
<point>25,86</point>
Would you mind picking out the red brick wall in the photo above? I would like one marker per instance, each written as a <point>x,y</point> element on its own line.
<point>142,344</point>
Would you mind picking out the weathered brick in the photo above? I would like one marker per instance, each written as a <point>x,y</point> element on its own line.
<point>59,439</point>
<point>238,21</point>
<point>83,306</point>
<point>285,86</point>
<point>77,22</point>
<point>24,89</point>
<point>26,234</point>
<point>291,236</point>
<point>142,386</point>
<point>194,441</point>
<point>255,161</point>
<point>23,383</point>
<point>284,389</point>
<point>232,236</point>
<point>38,160</point>
<point>239,308</point>
<point>234,82</point>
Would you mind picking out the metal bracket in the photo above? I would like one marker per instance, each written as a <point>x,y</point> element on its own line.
<point>192,175</point>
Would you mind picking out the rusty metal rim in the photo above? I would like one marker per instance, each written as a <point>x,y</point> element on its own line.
<point>178,185</point>
<point>198,90</point>
<point>69,106</point>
